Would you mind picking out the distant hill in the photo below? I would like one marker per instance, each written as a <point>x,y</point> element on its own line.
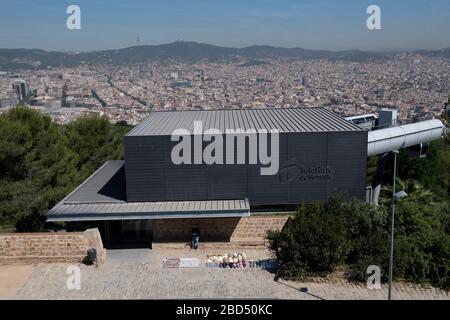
<point>11,59</point>
<point>443,53</point>
<point>182,51</point>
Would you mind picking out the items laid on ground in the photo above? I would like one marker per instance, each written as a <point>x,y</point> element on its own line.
<point>238,260</point>
<point>189,263</point>
<point>226,261</point>
<point>180,263</point>
<point>171,263</point>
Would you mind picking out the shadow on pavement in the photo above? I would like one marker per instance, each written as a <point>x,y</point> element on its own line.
<point>302,290</point>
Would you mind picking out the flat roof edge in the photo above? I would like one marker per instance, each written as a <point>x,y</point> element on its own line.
<point>143,216</point>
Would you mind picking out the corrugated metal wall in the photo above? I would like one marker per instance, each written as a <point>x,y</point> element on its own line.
<point>313,166</point>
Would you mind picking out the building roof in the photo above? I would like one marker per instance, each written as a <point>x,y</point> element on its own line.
<point>103,197</point>
<point>284,119</point>
<point>106,185</point>
<point>149,210</point>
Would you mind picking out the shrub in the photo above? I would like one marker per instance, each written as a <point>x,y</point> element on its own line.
<point>314,243</point>
<point>422,243</point>
<point>323,236</point>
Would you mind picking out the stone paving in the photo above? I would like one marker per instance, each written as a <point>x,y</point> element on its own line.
<point>139,275</point>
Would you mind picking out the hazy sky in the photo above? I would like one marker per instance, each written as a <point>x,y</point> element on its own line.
<point>315,24</point>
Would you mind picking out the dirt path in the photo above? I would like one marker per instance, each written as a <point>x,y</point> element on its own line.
<point>12,278</point>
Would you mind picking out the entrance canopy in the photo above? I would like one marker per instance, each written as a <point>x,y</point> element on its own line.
<point>103,197</point>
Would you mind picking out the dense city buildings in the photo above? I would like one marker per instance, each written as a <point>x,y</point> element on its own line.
<point>415,84</point>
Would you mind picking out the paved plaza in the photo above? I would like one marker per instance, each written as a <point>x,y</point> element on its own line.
<point>138,274</point>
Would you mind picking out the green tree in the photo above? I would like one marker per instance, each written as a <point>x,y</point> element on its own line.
<point>36,163</point>
<point>433,172</point>
<point>41,161</point>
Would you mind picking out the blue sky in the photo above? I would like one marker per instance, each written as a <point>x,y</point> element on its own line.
<point>315,24</point>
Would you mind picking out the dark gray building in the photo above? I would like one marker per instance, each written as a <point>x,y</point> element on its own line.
<point>319,154</point>
<point>314,154</point>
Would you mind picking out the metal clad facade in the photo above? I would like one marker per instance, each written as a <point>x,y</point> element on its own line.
<point>345,153</point>
<point>320,154</point>
<point>307,151</point>
<point>267,190</point>
<point>145,167</point>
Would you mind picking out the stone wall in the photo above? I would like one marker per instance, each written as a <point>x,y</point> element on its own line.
<point>213,229</point>
<point>50,247</point>
<point>218,229</point>
<point>256,227</point>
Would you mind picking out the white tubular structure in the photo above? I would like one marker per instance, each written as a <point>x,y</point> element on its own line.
<point>408,135</point>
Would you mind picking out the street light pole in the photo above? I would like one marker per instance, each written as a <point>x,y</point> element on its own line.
<point>391,249</point>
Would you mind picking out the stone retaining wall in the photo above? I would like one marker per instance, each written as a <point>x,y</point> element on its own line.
<point>256,227</point>
<point>218,229</point>
<point>50,247</point>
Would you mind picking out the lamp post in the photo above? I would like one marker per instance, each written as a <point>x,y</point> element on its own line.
<point>391,248</point>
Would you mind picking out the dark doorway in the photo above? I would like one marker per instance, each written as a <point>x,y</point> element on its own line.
<point>122,234</point>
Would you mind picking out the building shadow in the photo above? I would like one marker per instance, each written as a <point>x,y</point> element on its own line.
<point>112,245</point>
<point>115,188</point>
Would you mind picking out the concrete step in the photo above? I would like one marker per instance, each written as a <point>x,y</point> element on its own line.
<point>234,243</point>
<point>250,241</point>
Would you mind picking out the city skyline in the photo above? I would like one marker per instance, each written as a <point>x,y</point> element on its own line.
<point>325,25</point>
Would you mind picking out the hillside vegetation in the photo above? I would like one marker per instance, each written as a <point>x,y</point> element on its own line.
<point>41,161</point>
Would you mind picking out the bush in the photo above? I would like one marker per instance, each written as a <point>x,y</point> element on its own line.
<point>323,236</point>
<point>314,242</point>
<point>422,243</point>
<point>367,230</point>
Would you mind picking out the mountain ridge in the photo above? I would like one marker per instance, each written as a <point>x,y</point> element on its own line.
<point>184,51</point>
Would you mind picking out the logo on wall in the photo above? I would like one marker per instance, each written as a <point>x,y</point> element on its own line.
<point>291,171</point>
